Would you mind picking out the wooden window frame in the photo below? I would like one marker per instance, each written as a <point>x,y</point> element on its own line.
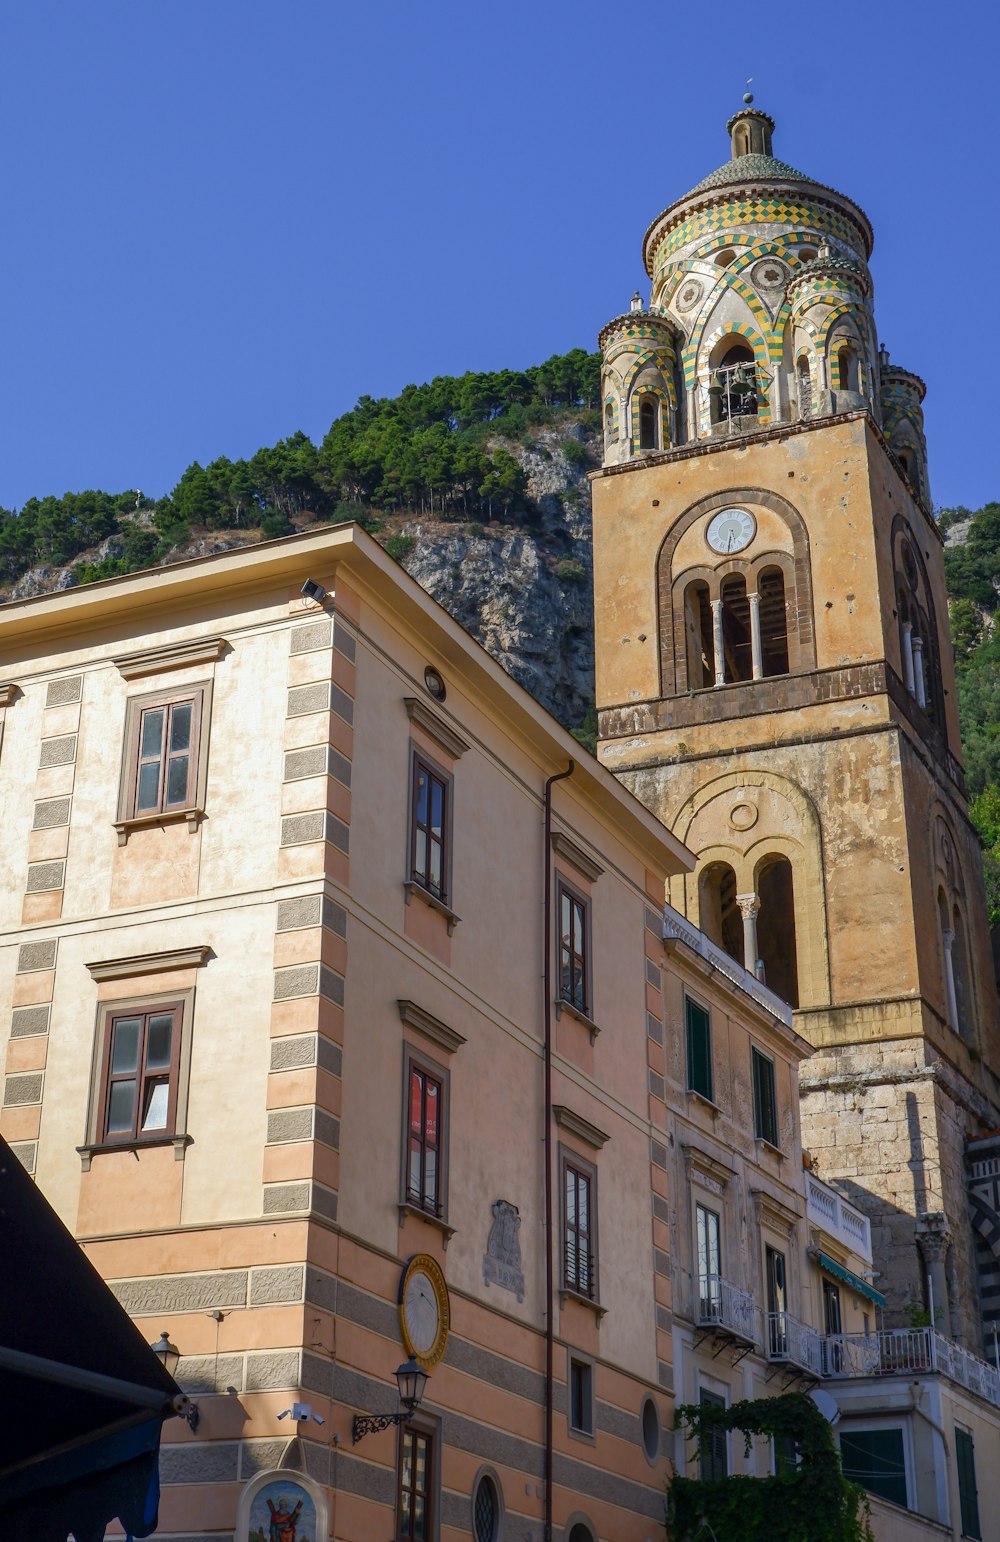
<point>714,1451</point>
<point>192,807</point>
<point>181,1002</point>
<point>706,1092</point>
<point>416,1063</point>
<point>420,760</point>
<point>420,1427</point>
<point>770,1134</point>
<point>566,891</point>
<point>582,1170</point>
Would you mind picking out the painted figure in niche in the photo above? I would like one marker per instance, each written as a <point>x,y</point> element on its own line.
<point>282,1512</point>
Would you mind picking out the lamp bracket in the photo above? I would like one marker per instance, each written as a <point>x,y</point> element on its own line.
<point>370,1424</point>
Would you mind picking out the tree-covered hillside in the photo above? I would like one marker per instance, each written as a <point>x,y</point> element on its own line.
<point>432,450</point>
<point>972,570</point>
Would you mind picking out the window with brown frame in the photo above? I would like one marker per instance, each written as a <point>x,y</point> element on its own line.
<point>424,1166</point>
<point>139,1074</point>
<point>415,1500</point>
<point>429,828</point>
<point>579,1231</point>
<point>574,950</point>
<point>163,754</point>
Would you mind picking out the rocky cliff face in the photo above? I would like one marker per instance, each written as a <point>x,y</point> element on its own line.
<point>526,593</point>
<point>522,587</point>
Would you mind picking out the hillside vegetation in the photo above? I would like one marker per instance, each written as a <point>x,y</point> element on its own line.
<point>430,450</point>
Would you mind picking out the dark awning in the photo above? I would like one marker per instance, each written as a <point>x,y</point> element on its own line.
<point>84,1395</point>
<point>855,1281</point>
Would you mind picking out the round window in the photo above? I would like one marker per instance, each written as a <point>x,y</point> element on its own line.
<point>486,1510</point>
<point>434,682</point>
<point>650,1430</point>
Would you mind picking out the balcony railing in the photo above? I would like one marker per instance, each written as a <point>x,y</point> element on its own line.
<point>721,1304</point>
<point>909,1352</point>
<point>792,1343</point>
<point>837,1217</point>
<point>677,928</point>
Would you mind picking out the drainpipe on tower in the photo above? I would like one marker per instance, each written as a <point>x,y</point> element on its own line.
<point>560,776</point>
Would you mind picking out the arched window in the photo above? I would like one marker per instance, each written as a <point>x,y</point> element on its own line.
<point>733,387</point>
<point>804,376</point>
<point>773,622</point>
<point>698,630</point>
<point>609,423</point>
<point>719,914</point>
<point>963,979</point>
<point>736,642</point>
<point>647,423</point>
<point>581,1533</point>
<point>776,929</point>
<point>921,662</point>
<point>845,370</point>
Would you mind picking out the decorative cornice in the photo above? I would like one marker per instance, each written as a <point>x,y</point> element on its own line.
<point>431,1027</point>
<point>575,1124</point>
<point>151,963</point>
<point>700,1162</point>
<point>575,855</point>
<point>435,727</point>
<point>157,661</point>
<point>779,1215</point>
<point>638,318</point>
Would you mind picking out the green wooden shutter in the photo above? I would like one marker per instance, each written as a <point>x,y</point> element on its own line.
<point>968,1496</point>
<point>765,1112</point>
<point>699,1049</point>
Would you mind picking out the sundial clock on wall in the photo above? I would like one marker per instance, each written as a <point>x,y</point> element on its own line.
<point>731,530</point>
<point>424,1314</point>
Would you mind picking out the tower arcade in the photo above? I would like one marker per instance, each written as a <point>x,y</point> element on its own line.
<point>774,680</point>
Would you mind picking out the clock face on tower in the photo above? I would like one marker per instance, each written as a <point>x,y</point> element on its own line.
<point>731,530</point>
<point>423,1310</point>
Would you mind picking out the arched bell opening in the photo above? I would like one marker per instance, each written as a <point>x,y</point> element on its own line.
<point>737,643</point>
<point>699,638</point>
<point>963,978</point>
<point>776,928</point>
<point>847,369</point>
<point>733,385</point>
<point>609,424</point>
<point>719,914</point>
<point>803,376</point>
<point>648,414</point>
<point>773,622</point>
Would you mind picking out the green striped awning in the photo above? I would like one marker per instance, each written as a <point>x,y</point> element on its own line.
<point>855,1281</point>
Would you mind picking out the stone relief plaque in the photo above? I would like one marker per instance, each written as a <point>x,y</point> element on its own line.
<point>502,1259</point>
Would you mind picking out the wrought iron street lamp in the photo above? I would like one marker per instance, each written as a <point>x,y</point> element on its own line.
<point>411,1380</point>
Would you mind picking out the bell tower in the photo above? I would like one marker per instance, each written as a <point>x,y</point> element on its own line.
<point>774,681</point>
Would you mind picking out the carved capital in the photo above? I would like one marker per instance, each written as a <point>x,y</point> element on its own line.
<point>933,1236</point>
<point>749,906</point>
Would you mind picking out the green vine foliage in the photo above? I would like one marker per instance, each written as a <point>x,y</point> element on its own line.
<point>808,1501</point>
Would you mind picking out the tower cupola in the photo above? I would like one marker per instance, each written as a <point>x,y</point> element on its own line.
<point>750,131</point>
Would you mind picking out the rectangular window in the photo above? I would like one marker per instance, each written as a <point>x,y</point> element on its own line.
<point>714,1454</point>
<point>784,1453</point>
<point>875,1459</point>
<point>777,1303</point>
<point>141,1056</point>
<point>833,1349</point>
<point>429,829</point>
<point>574,950</point>
<point>164,762</point>
<point>765,1106</point>
<point>709,1264</point>
<point>423,1169</point>
<point>968,1494</point>
<point>581,1396</point>
<point>699,1048</point>
<point>416,1485</point>
<point>579,1232</point>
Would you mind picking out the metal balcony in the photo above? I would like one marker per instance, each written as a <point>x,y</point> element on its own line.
<point>909,1352</point>
<point>791,1343</point>
<point>722,1306</point>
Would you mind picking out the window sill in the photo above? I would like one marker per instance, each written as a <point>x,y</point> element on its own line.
<point>766,1145</point>
<point>406,1208</point>
<point>412,887</point>
<point>180,1144</point>
<point>699,1097</point>
<point>125,827</point>
<point>566,1294</point>
<point>562,1005</point>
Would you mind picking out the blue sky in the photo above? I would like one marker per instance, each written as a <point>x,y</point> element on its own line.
<point>227,219</point>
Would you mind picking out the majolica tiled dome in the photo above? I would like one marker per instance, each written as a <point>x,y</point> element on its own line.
<point>750,168</point>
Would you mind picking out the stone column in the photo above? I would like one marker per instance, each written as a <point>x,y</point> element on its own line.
<point>908,658</point>
<point>755,648</point>
<point>948,938</point>
<point>918,671</point>
<point>933,1238</point>
<point>749,909</point>
<point>717,643</point>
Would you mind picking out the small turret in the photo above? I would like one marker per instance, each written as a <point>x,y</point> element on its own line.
<point>750,131</point>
